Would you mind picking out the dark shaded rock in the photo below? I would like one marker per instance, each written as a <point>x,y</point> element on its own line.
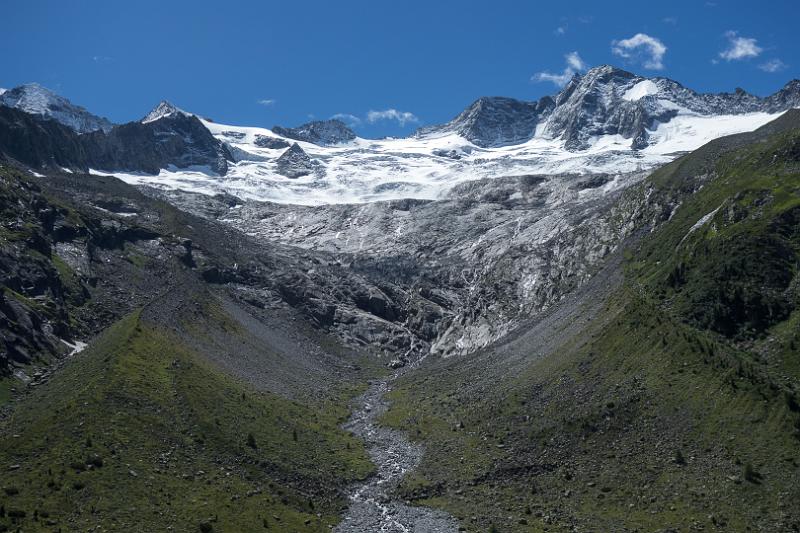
<point>295,163</point>
<point>178,140</point>
<point>496,121</point>
<point>320,132</point>
<point>274,143</point>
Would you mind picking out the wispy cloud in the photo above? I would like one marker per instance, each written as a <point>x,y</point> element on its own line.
<point>740,47</point>
<point>574,64</point>
<point>402,117</point>
<point>266,102</point>
<point>643,48</point>
<point>102,59</point>
<point>561,30</point>
<point>347,118</point>
<point>673,21</point>
<point>773,65</point>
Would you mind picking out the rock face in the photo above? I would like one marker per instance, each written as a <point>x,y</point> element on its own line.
<point>274,143</point>
<point>39,143</point>
<point>37,100</point>
<point>452,276</point>
<point>175,139</point>
<point>321,132</point>
<point>448,276</point>
<point>496,121</point>
<point>611,101</point>
<point>603,101</point>
<point>295,163</point>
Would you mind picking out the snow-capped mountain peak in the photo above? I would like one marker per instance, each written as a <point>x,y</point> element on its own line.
<point>606,120</point>
<point>610,101</point>
<point>495,121</point>
<point>37,100</point>
<point>162,110</point>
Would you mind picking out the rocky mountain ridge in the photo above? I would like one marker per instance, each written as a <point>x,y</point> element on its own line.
<point>178,140</point>
<point>320,132</point>
<point>604,101</point>
<point>604,121</point>
<point>37,100</point>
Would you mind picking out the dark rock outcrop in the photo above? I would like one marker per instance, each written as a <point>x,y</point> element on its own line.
<point>175,139</point>
<point>320,132</point>
<point>178,140</point>
<point>295,163</point>
<point>496,121</point>
<point>274,143</point>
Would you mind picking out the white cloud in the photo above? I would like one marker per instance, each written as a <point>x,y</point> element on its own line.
<point>740,47</point>
<point>402,117</point>
<point>773,65</point>
<point>561,30</point>
<point>574,61</point>
<point>641,47</point>
<point>266,101</point>
<point>347,118</point>
<point>574,64</point>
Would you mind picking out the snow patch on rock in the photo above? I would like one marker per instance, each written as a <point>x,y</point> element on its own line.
<point>640,90</point>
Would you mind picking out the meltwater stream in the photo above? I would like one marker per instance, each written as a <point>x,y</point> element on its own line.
<point>372,508</point>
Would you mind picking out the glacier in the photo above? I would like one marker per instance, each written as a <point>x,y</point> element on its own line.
<point>427,166</point>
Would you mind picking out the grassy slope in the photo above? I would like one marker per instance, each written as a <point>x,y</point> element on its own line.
<point>171,434</point>
<point>677,408</point>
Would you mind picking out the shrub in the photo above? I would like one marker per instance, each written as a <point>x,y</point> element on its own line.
<point>679,458</point>
<point>751,474</point>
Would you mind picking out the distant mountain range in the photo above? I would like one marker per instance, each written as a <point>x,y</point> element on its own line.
<point>606,120</point>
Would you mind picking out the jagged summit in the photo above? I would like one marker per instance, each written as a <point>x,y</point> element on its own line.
<point>320,132</point>
<point>37,100</point>
<point>295,163</point>
<point>493,121</point>
<point>162,110</point>
<point>604,101</point>
<point>604,120</point>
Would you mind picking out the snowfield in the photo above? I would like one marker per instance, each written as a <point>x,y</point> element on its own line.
<point>427,166</point>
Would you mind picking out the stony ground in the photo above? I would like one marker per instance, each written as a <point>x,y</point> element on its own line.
<point>374,505</point>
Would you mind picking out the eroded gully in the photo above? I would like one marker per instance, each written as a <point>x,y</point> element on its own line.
<point>373,508</point>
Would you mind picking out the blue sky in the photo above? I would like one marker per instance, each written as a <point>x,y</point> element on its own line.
<point>411,63</point>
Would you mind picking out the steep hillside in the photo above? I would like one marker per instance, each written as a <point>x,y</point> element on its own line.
<point>142,431</point>
<point>668,400</point>
<point>205,383</point>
